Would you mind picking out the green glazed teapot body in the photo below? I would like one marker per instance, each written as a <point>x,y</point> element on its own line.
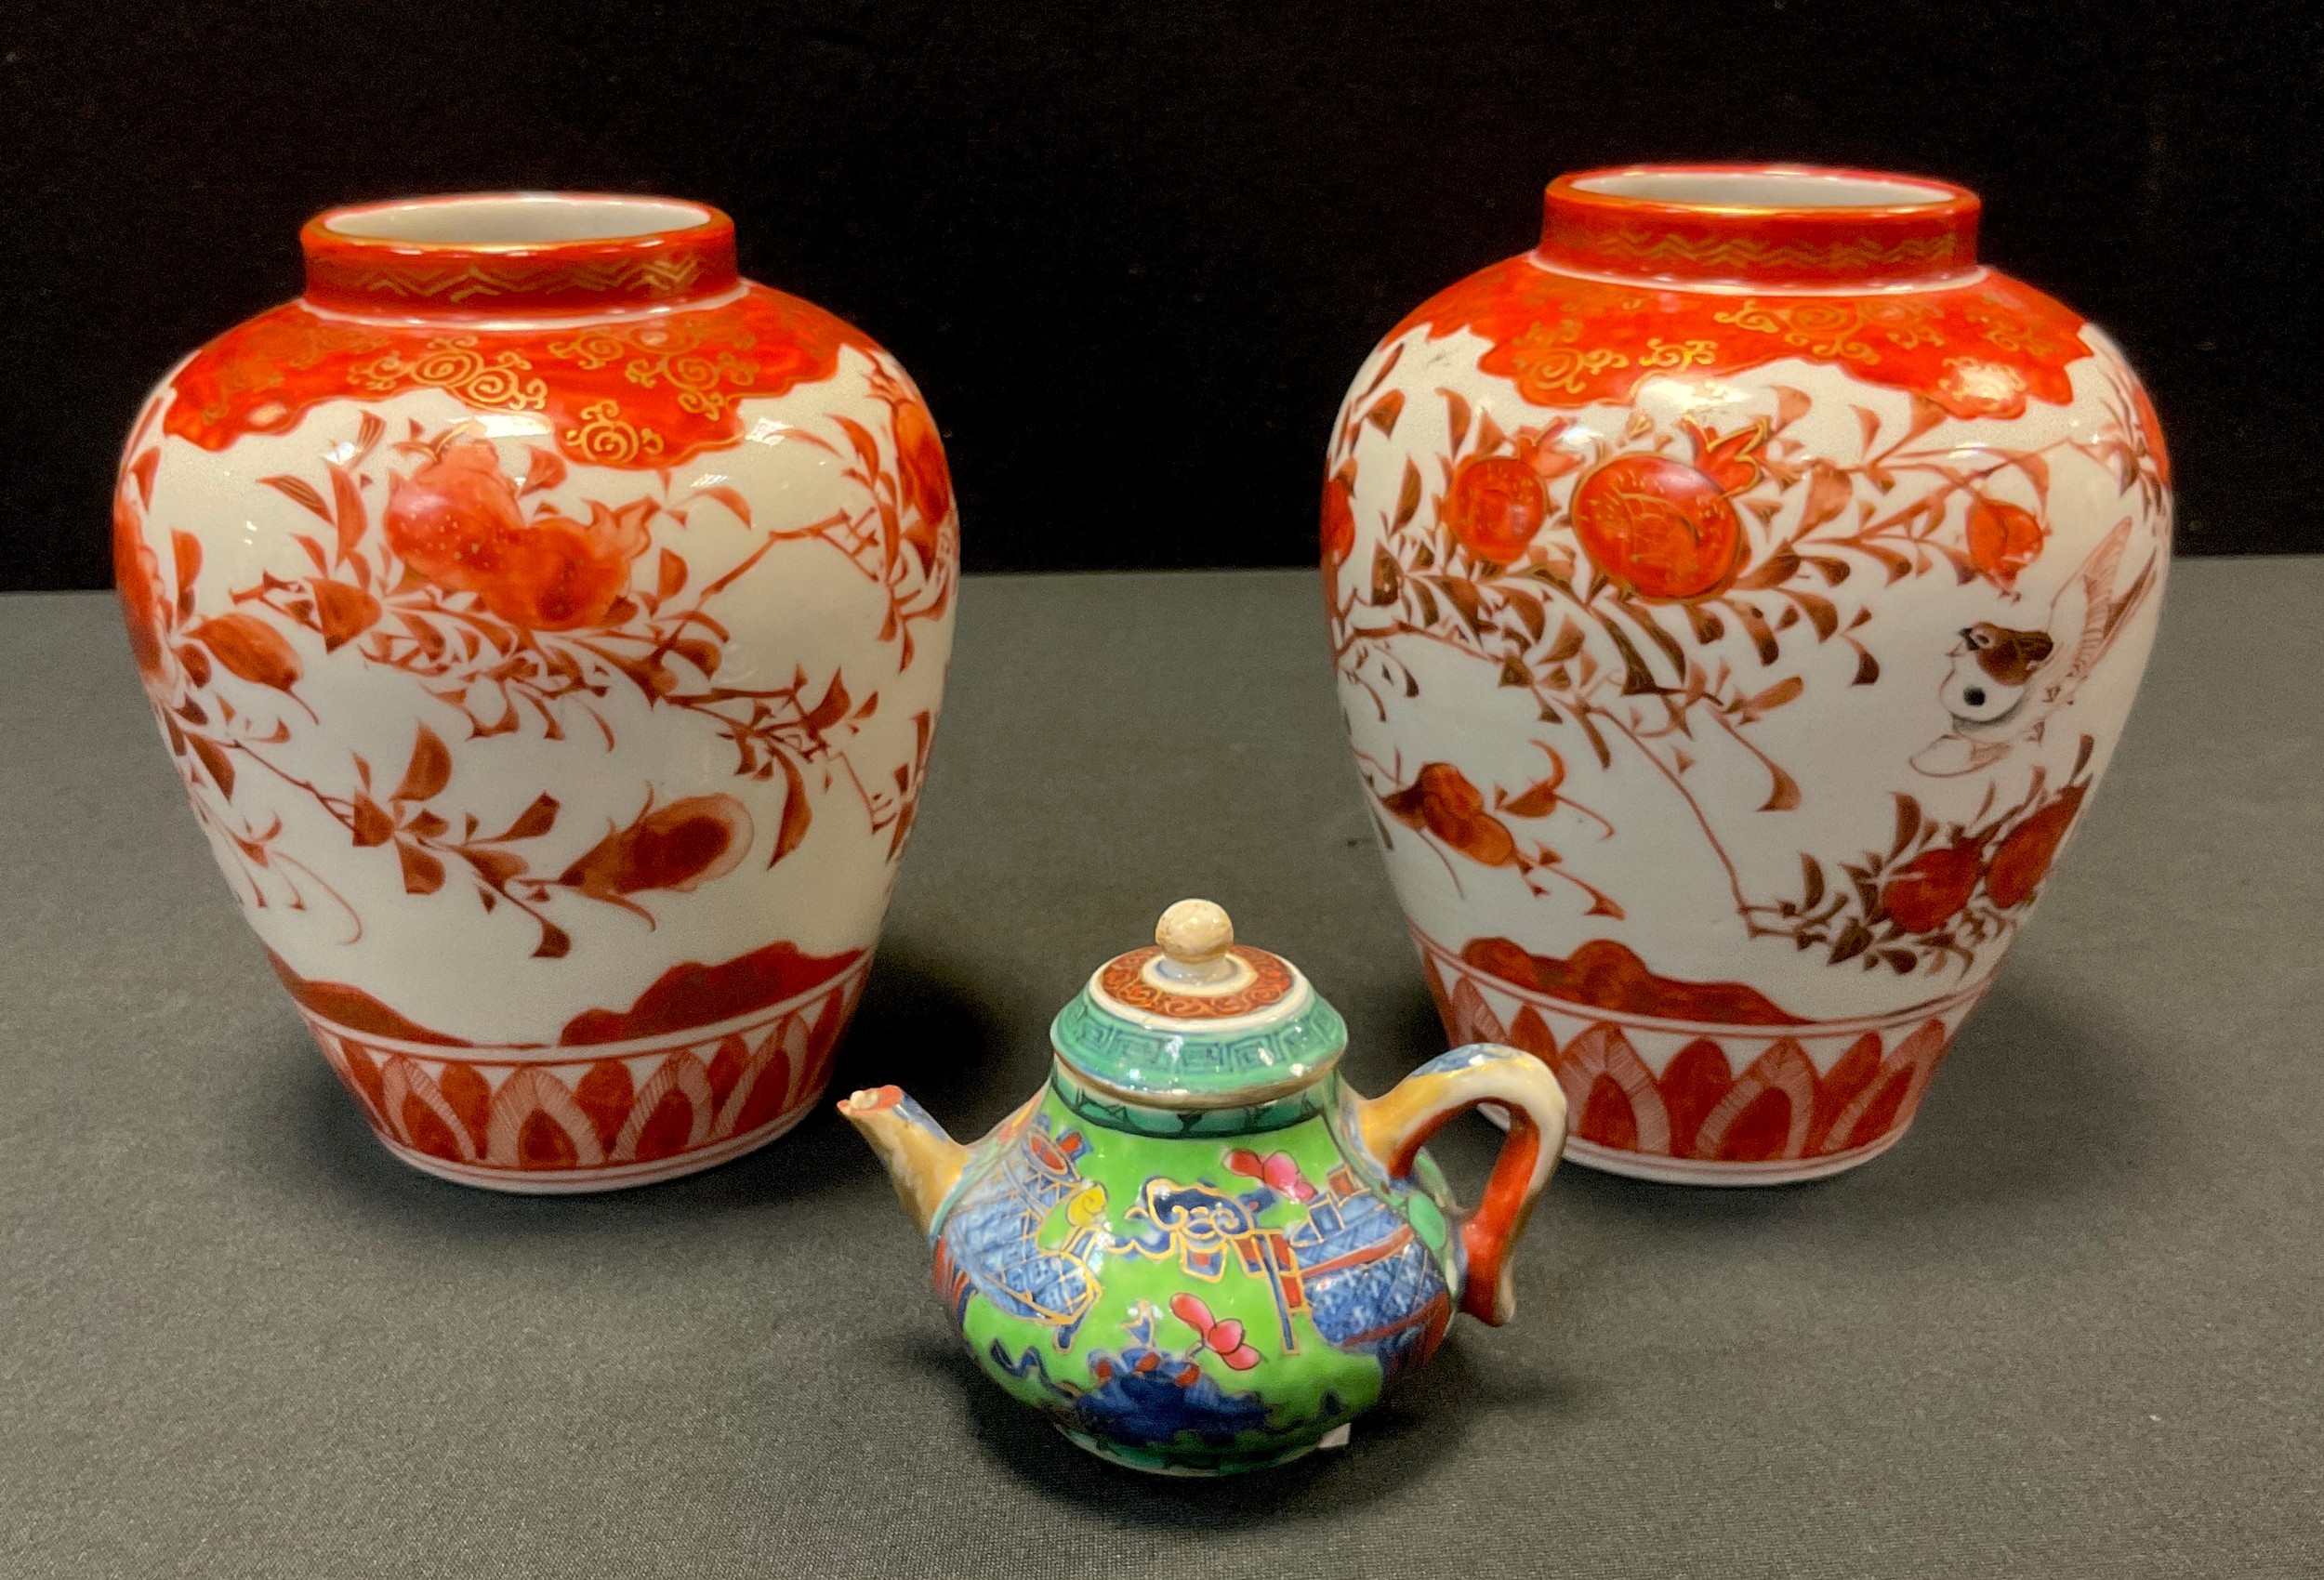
<point>1195,1249</point>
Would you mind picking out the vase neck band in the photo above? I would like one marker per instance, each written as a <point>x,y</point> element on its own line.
<point>1776,225</point>
<point>496,255</point>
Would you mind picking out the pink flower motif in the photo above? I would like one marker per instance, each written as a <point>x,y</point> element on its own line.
<point>1277,1170</point>
<point>1223,1339</point>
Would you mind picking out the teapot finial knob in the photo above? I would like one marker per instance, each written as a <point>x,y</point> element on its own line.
<point>1195,935</point>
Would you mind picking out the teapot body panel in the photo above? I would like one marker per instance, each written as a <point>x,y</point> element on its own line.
<point>1194,1293</point>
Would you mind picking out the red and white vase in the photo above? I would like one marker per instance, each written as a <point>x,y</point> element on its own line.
<point>548,626</point>
<point>1734,601</point>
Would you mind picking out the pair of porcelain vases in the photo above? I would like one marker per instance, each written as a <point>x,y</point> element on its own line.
<point>1734,600</point>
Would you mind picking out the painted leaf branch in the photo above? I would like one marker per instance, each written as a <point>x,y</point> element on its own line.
<point>1604,578</point>
<point>520,620</point>
<point>1941,890</point>
<point>512,612</point>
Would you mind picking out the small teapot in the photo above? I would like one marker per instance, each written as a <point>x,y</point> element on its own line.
<point>1197,1249</point>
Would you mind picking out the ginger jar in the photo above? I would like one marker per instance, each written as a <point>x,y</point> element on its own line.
<point>1735,602</point>
<point>548,626</point>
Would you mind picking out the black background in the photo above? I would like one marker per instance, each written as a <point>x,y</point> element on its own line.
<point>1133,254</point>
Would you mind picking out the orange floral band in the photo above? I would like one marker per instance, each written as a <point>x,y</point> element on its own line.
<point>1124,981</point>
<point>639,393</point>
<point>1979,348</point>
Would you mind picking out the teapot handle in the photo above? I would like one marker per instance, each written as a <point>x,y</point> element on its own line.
<point>1397,1124</point>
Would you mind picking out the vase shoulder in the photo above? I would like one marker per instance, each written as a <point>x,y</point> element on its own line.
<point>1977,347</point>
<point>645,388</point>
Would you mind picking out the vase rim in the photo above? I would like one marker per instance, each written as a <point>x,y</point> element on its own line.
<point>1776,225</point>
<point>479,255</point>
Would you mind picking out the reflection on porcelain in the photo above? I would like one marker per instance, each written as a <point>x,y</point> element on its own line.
<point>1195,1249</point>
<point>1734,601</point>
<point>548,627</point>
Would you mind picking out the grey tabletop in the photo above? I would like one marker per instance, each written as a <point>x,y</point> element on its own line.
<point>2068,1327</point>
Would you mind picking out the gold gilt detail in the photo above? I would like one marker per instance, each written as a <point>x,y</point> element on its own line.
<point>656,354</point>
<point>1678,353</point>
<point>298,343</point>
<point>2011,333</point>
<point>604,439</point>
<point>1831,328</point>
<point>455,365</point>
<point>1650,246</point>
<point>651,276</point>
<point>1548,362</point>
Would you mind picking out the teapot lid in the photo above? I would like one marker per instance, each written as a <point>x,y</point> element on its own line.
<point>1197,1021</point>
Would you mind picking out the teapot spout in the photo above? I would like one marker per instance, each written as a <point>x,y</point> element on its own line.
<point>923,1161</point>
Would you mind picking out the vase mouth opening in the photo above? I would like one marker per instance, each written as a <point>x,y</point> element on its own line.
<point>483,254</point>
<point>1765,189</point>
<point>1776,225</point>
<point>499,220</point>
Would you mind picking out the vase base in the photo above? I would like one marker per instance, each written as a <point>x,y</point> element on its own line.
<point>1710,1171</point>
<point>587,1181</point>
<point>1223,1464</point>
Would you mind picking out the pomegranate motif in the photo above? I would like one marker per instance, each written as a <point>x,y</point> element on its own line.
<point>457,523</point>
<point>2003,540</point>
<point>2024,858</point>
<point>926,484</point>
<point>1932,888</point>
<point>1495,507</point>
<point>1658,527</point>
